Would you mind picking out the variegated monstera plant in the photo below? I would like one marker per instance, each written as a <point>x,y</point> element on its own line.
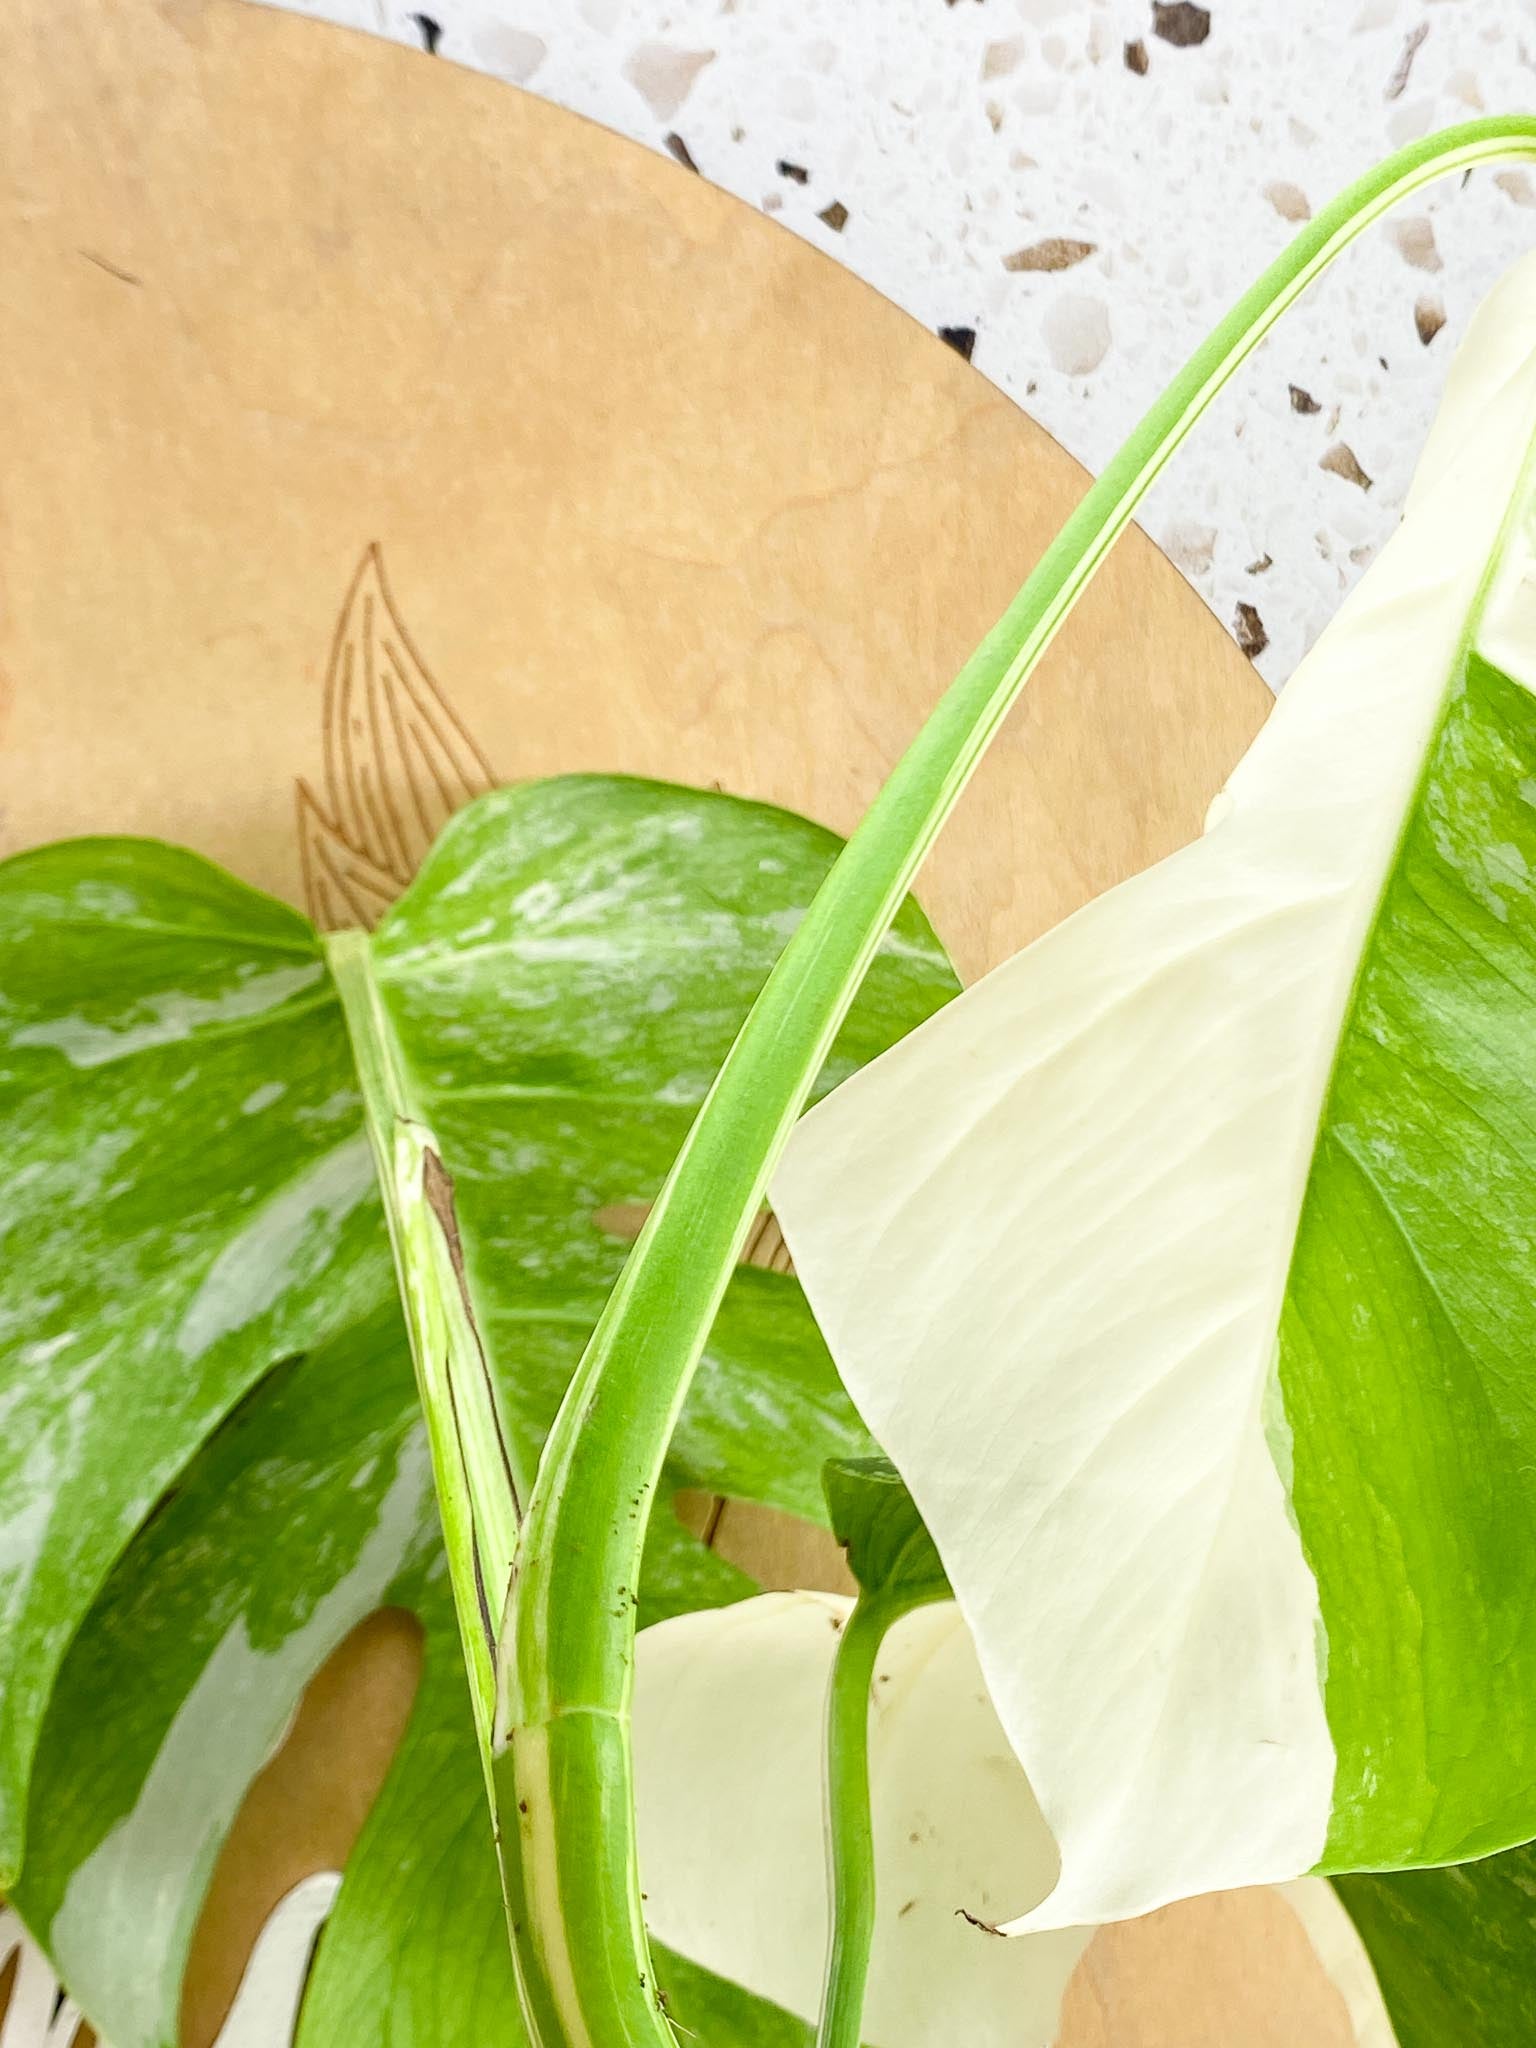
<point>1185,1270</point>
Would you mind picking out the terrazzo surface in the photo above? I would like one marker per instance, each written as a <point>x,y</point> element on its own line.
<point>1073,191</point>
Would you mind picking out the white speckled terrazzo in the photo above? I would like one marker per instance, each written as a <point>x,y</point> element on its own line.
<point>1084,185</point>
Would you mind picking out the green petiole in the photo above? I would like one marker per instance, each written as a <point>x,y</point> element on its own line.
<point>850,1840</point>
<point>564,1772</point>
<point>471,1463</point>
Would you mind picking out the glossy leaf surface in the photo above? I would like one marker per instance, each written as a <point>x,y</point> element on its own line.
<point>189,1202</point>
<point>1186,1267</point>
<point>564,976</point>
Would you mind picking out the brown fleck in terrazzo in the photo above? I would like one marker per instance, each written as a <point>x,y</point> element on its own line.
<point>1181,23</point>
<point>1301,400</point>
<point>1397,83</point>
<point>1056,252</point>
<point>1248,628</point>
<point>1136,58</point>
<point>1428,318</point>
<point>1414,240</point>
<point>1288,200</point>
<point>998,60</point>
<point>1341,460</point>
<point>835,216</point>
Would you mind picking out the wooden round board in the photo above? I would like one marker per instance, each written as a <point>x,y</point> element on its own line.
<point>374,432</point>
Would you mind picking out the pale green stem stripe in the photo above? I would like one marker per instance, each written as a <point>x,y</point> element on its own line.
<point>567,1658</point>
<point>471,1465</point>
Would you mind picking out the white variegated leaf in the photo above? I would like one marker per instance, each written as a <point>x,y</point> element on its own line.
<point>1186,1267</point>
<point>729,1716</point>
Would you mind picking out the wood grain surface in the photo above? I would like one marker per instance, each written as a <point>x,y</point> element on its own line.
<point>373,432</point>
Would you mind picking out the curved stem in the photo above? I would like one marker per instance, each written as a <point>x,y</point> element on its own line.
<point>850,1822</point>
<point>566,1664</point>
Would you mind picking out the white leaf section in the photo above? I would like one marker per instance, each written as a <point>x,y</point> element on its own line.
<point>265,2011</point>
<point>39,2015</point>
<point>1342,1954</point>
<point>1047,1239</point>
<point>266,2008</point>
<point>226,1727</point>
<point>729,1719</point>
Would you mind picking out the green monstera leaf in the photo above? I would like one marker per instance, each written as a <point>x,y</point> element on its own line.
<point>1452,1951</point>
<point>310,1508</point>
<point>190,1200</point>
<point>1186,1266</point>
<point>889,1550</point>
<point>200,1260</point>
<point>1424,1958</point>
